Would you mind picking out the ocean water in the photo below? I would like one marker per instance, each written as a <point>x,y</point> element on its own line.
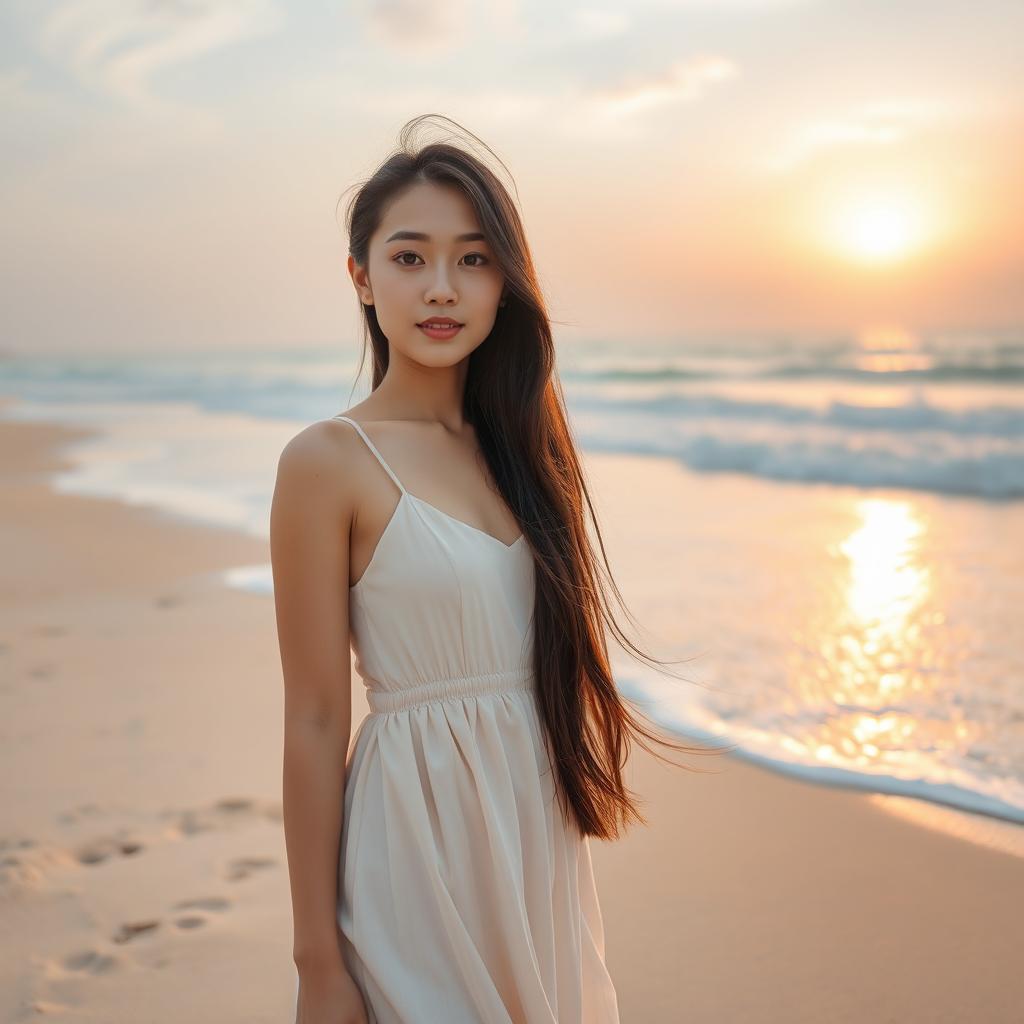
<point>878,643</point>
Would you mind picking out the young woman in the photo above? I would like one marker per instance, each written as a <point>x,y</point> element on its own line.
<point>440,871</point>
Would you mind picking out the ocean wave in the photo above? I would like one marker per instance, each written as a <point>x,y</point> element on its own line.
<point>997,373</point>
<point>919,446</point>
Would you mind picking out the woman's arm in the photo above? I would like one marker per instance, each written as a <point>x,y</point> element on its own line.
<point>310,521</point>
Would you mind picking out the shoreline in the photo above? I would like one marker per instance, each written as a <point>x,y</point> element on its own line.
<point>736,563</point>
<point>787,901</point>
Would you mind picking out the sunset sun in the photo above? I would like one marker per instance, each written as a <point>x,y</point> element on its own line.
<point>877,229</point>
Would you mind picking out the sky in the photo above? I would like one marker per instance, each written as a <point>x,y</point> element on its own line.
<point>172,168</point>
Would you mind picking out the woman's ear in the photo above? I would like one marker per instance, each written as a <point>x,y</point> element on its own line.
<point>361,280</point>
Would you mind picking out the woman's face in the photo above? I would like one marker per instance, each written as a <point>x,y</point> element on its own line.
<point>411,279</point>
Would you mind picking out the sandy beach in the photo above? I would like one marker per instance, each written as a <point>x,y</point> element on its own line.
<point>142,869</point>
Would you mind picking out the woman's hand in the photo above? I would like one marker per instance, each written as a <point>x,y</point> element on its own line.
<point>329,996</point>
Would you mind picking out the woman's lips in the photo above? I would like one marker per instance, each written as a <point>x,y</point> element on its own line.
<point>432,331</point>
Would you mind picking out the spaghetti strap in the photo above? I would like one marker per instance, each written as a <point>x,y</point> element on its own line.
<point>373,448</point>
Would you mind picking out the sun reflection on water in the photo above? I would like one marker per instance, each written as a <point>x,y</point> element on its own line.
<point>885,585</point>
<point>877,648</point>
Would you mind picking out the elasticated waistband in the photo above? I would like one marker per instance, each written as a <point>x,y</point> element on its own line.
<point>382,701</point>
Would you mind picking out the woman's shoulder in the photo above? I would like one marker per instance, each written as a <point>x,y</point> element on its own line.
<point>324,455</point>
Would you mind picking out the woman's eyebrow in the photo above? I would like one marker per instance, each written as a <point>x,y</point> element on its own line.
<point>419,236</point>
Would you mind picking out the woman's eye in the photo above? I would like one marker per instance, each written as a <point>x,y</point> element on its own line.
<point>399,258</point>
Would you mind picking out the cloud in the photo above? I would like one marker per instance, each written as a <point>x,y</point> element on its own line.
<point>432,26</point>
<point>683,80</point>
<point>424,25</point>
<point>118,47</point>
<point>883,123</point>
<point>590,21</point>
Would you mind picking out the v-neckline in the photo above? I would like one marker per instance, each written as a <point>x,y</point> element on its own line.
<point>422,501</point>
<point>462,522</point>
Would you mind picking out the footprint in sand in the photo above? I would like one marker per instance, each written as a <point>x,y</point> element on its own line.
<point>99,850</point>
<point>215,904</point>
<point>133,929</point>
<point>65,982</point>
<point>19,862</point>
<point>229,811</point>
<point>25,863</point>
<point>71,817</point>
<point>242,867</point>
<point>16,843</point>
<point>90,961</point>
<point>23,860</point>
<point>190,921</point>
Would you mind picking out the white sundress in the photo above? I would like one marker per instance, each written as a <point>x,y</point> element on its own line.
<point>465,895</point>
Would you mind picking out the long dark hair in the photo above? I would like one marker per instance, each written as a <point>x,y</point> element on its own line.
<point>514,400</point>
